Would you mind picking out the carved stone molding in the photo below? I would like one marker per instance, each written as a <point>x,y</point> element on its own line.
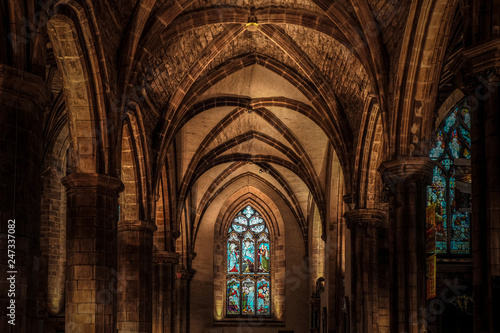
<point>82,182</point>
<point>365,218</point>
<point>478,65</point>
<point>185,274</point>
<point>18,84</point>
<point>166,257</point>
<point>136,225</point>
<point>407,169</point>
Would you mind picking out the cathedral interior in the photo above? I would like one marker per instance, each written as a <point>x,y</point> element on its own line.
<point>227,166</point>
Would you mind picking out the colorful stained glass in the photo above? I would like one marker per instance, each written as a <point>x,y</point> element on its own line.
<point>258,228</point>
<point>239,228</point>
<point>248,260</point>
<point>263,257</point>
<point>466,135</point>
<point>241,220</point>
<point>460,233</point>
<point>256,220</point>
<point>439,148</point>
<point>453,141</point>
<point>455,145</point>
<point>466,116</point>
<point>233,255</point>
<point>436,193</point>
<point>263,297</point>
<point>248,212</point>
<point>233,297</point>
<point>466,153</point>
<point>248,296</point>
<point>450,121</point>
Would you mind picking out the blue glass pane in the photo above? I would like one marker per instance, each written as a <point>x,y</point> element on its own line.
<point>455,145</point>
<point>241,220</point>
<point>450,121</point>
<point>248,296</point>
<point>256,220</point>
<point>258,228</point>
<point>248,260</point>
<point>465,135</point>
<point>239,228</point>
<point>263,297</point>
<point>248,212</point>
<point>233,297</point>
<point>438,150</point>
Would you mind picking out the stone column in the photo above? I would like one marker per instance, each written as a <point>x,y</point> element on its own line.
<point>22,100</point>
<point>135,263</point>
<point>364,225</point>
<point>91,294</point>
<point>408,179</point>
<point>183,294</point>
<point>163,291</point>
<point>481,72</point>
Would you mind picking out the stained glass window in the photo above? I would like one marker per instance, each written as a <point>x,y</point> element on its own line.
<point>248,265</point>
<point>450,188</point>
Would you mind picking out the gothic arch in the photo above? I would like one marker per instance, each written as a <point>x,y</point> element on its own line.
<point>270,212</point>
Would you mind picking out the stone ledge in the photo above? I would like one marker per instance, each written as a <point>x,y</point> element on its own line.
<point>136,225</point>
<point>406,169</point>
<point>165,257</point>
<point>83,182</point>
<point>365,218</point>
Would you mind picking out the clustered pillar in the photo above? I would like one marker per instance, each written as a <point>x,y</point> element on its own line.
<point>407,178</point>
<point>364,225</point>
<point>91,284</point>
<point>135,263</point>
<point>486,202</point>
<point>22,100</point>
<point>164,264</point>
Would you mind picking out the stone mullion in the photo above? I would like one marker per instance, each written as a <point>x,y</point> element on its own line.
<point>23,97</point>
<point>91,252</point>
<point>164,303</point>
<point>364,224</point>
<point>135,261</point>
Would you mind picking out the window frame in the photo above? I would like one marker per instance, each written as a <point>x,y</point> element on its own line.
<point>457,125</point>
<point>255,276</point>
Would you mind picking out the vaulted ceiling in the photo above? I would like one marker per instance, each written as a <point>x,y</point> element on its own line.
<point>220,102</point>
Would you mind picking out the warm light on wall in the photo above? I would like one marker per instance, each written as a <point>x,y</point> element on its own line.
<point>219,314</point>
<point>278,309</point>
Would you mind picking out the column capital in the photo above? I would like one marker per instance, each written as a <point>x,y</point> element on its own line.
<point>15,84</point>
<point>166,257</point>
<point>185,274</point>
<point>365,218</point>
<point>478,64</point>
<point>82,182</point>
<point>407,169</point>
<point>136,225</point>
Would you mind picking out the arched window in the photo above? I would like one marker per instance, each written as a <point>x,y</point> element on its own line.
<point>448,197</point>
<point>248,284</point>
